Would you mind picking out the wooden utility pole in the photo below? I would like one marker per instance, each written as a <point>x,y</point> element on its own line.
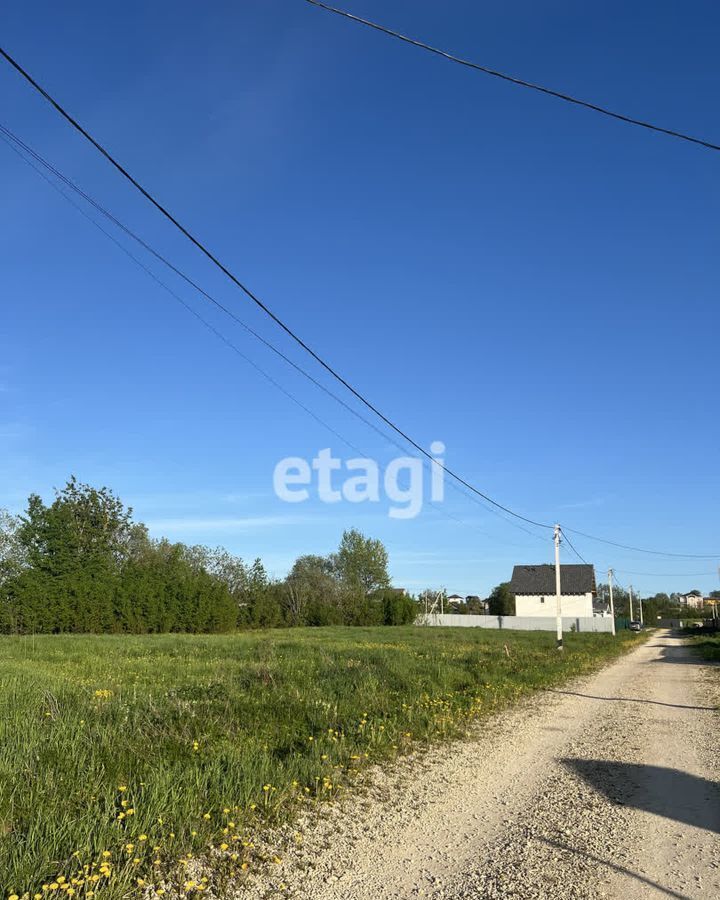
<point>612,605</point>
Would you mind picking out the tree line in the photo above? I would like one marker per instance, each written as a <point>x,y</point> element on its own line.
<point>81,564</point>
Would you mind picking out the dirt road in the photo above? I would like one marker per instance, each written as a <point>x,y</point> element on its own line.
<point>608,788</point>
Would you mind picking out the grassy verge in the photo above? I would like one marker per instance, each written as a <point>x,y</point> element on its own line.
<point>124,759</point>
<point>706,645</point>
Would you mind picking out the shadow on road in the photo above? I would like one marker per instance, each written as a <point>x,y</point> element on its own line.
<point>616,868</point>
<point>684,654</point>
<point>633,700</point>
<point>665,792</point>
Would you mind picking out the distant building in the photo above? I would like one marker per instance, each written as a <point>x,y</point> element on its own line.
<point>534,589</point>
<point>455,598</point>
<point>692,601</point>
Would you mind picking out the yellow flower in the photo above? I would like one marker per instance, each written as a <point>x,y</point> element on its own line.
<point>13,897</point>
<point>222,847</point>
<point>122,787</point>
<point>206,815</point>
<point>106,854</point>
<point>143,837</point>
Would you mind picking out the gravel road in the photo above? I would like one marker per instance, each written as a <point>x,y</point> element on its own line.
<point>606,788</point>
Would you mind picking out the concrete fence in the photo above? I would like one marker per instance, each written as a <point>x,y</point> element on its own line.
<point>517,623</point>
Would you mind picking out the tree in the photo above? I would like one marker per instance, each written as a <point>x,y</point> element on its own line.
<point>502,601</point>
<point>362,562</point>
<point>312,594</point>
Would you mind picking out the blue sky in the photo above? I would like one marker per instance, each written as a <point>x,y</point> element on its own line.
<point>530,283</point>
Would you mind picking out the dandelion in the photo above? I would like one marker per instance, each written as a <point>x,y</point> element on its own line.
<point>122,787</point>
<point>206,815</point>
<point>142,837</point>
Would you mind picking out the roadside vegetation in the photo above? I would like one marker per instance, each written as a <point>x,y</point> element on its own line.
<point>133,766</point>
<point>81,564</point>
<point>706,645</point>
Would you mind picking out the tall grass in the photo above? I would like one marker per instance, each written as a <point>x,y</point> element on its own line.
<point>121,756</point>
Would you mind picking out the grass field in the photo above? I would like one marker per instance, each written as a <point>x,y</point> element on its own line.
<point>126,761</point>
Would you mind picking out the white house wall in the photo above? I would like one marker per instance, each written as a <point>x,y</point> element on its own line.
<point>572,605</point>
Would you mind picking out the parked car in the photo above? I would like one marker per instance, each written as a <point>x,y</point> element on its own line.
<point>635,626</point>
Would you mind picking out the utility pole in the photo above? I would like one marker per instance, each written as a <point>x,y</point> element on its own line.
<point>631,603</point>
<point>612,605</point>
<point>640,605</point>
<point>558,601</point>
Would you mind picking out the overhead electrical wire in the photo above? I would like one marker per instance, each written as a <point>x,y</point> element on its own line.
<point>255,299</point>
<point>667,574</point>
<point>593,537</point>
<point>18,145</point>
<point>572,547</point>
<point>335,374</point>
<point>520,82</point>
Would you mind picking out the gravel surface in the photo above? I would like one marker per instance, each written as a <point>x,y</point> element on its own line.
<point>606,788</point>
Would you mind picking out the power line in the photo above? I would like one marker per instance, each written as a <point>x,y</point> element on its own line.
<point>571,546</point>
<point>513,80</point>
<point>593,537</point>
<point>14,142</point>
<point>667,574</point>
<point>255,299</point>
<point>455,476</point>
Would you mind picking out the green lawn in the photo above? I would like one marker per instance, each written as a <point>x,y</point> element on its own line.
<point>120,755</point>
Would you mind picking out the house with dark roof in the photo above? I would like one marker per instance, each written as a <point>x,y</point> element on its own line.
<point>534,589</point>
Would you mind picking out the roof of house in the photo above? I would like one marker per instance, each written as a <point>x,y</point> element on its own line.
<point>574,579</point>
<point>455,597</point>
